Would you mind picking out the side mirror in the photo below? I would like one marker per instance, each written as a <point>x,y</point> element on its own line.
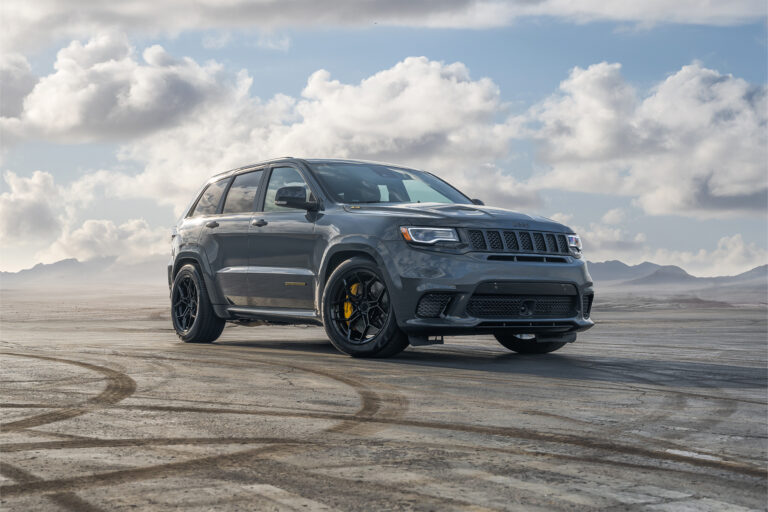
<point>294,197</point>
<point>478,202</point>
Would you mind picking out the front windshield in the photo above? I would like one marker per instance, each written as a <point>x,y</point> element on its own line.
<point>372,183</point>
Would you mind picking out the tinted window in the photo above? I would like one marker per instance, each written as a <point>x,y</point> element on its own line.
<point>209,201</point>
<point>241,197</point>
<point>282,177</point>
<point>372,183</point>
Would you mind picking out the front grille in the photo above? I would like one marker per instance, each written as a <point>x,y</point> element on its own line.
<point>477,240</point>
<point>551,243</point>
<point>587,305</point>
<point>494,241</point>
<point>517,241</point>
<point>511,239</point>
<point>522,306</point>
<point>525,241</point>
<point>432,305</point>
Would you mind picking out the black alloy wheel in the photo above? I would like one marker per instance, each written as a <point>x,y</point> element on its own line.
<point>185,303</point>
<point>361,307</point>
<point>357,311</point>
<point>194,319</point>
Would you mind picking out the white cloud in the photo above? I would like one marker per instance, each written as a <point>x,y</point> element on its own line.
<point>731,256</point>
<point>419,112</point>
<point>603,241</point>
<point>31,210</point>
<point>615,216</point>
<point>36,212</point>
<point>189,121</point>
<point>696,146</point>
<point>17,81</point>
<point>274,42</point>
<point>562,218</point>
<point>132,242</point>
<point>27,24</point>
<point>99,91</point>
<point>217,41</point>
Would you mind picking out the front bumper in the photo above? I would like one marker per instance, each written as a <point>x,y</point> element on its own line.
<point>416,272</point>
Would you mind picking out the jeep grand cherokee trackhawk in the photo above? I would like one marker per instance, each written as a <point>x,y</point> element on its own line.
<point>381,255</point>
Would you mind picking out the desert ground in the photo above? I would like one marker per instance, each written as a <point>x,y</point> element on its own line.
<point>660,407</point>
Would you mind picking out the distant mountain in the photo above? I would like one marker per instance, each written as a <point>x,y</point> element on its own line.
<point>109,272</point>
<point>672,275</point>
<point>669,274</point>
<point>756,274</point>
<point>101,271</point>
<point>52,272</point>
<point>615,270</point>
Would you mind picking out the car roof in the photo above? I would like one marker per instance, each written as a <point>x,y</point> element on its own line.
<point>304,160</point>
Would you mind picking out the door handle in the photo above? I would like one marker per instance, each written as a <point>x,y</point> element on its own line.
<point>259,223</point>
<point>212,224</point>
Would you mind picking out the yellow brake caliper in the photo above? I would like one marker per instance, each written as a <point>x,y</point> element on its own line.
<point>348,303</point>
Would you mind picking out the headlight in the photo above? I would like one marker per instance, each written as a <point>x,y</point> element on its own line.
<point>429,235</point>
<point>574,244</point>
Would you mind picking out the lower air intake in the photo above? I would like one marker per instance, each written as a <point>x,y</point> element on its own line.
<point>432,305</point>
<point>522,306</point>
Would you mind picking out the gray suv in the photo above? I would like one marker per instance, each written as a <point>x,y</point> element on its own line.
<point>382,256</point>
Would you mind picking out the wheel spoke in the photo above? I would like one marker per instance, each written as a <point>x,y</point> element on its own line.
<point>365,331</point>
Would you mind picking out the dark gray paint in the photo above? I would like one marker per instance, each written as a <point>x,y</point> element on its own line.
<point>254,264</point>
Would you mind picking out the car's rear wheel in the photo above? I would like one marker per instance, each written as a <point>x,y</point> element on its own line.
<point>525,346</point>
<point>357,311</point>
<point>191,312</point>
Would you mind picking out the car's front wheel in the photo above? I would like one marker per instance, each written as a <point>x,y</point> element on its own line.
<point>357,311</point>
<point>526,346</point>
<point>191,312</point>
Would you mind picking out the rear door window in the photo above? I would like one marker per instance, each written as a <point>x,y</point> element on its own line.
<point>208,204</point>
<point>243,193</point>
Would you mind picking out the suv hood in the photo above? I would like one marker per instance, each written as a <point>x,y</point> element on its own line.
<point>460,215</point>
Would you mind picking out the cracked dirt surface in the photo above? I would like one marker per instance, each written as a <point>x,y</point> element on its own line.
<point>104,409</point>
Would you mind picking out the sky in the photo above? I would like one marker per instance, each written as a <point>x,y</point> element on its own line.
<point>642,125</point>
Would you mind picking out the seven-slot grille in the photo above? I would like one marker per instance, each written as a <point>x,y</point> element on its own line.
<point>497,240</point>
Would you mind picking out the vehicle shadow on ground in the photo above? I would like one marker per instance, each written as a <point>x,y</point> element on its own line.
<point>556,365</point>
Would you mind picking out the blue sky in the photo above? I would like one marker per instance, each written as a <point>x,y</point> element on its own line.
<point>525,60</point>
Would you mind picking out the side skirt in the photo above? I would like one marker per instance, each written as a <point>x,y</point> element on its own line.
<point>277,315</point>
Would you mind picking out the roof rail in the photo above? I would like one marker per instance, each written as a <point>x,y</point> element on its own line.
<point>251,165</point>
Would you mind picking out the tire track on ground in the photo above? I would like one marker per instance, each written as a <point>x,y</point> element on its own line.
<point>373,404</point>
<point>515,432</point>
<point>724,408</point>
<point>371,412</point>
<point>255,460</point>
<point>66,500</point>
<point>119,387</point>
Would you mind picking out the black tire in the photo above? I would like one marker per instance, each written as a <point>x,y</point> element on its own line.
<point>191,312</point>
<point>370,311</point>
<point>521,346</point>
